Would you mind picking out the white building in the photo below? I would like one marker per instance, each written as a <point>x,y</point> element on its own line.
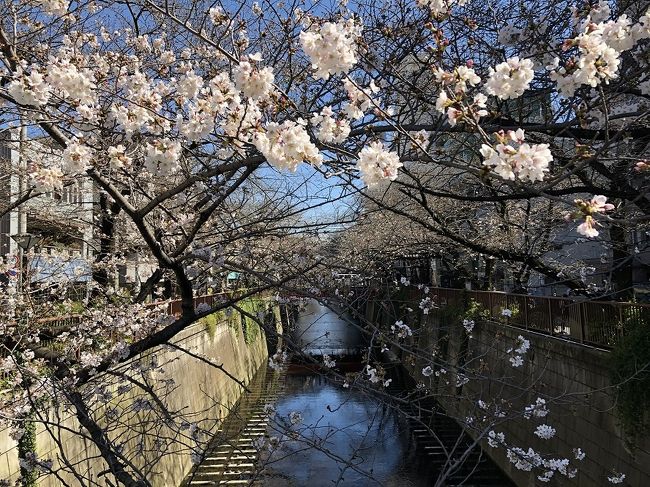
<point>63,219</point>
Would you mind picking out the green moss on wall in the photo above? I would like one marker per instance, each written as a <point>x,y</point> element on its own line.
<point>630,374</point>
<point>253,305</point>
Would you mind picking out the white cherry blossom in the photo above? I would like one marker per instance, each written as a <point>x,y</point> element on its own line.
<point>254,82</point>
<point>189,85</point>
<point>162,157</point>
<point>117,157</point>
<point>495,439</point>
<point>329,128</point>
<point>528,162</point>
<point>31,90</point>
<point>360,100</point>
<point>331,47</point>
<point>47,179</point>
<point>377,164</point>
<point>617,478</point>
<point>76,158</point>
<point>286,145</point>
<point>587,209</point>
<point>510,79</point>
<point>71,82</point>
<point>440,7</point>
<point>537,410</point>
<point>545,431</point>
<point>401,330</point>
<point>54,7</point>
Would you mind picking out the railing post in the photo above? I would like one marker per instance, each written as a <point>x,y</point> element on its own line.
<point>619,332</point>
<point>550,315</point>
<point>526,312</point>
<point>581,318</point>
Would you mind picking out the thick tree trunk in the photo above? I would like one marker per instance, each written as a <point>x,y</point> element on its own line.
<point>108,210</point>
<point>622,258</point>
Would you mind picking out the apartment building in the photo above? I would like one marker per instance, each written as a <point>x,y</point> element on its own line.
<point>63,219</point>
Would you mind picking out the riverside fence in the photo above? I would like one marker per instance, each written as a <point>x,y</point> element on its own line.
<point>597,323</point>
<point>51,324</point>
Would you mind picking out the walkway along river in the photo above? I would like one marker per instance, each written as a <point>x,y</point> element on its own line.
<point>297,428</point>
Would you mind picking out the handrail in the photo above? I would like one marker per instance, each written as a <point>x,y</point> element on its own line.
<point>594,323</point>
<point>572,299</point>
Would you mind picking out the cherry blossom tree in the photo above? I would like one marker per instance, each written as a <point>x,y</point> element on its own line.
<point>212,134</point>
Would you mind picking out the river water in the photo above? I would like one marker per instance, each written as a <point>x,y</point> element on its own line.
<point>323,434</point>
<point>343,437</point>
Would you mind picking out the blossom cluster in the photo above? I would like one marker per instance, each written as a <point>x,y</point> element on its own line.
<point>377,164</point>
<point>468,325</point>
<point>53,7</point>
<point>71,82</point>
<point>510,79</point>
<point>279,358</point>
<point>401,330</point>
<point>495,439</point>
<point>587,209</point>
<point>426,305</point>
<point>45,179</point>
<point>376,376</point>
<point>526,460</point>
<point>599,47</point>
<point>453,91</point>
<point>512,157</point>
<point>360,99</point>
<point>256,83</point>
<point>76,158</point>
<point>440,7</point>
<point>331,47</point>
<point>328,361</point>
<point>286,145</point>
<point>29,89</point>
<point>521,347</point>
<point>162,156</point>
<point>537,410</point>
<point>330,128</point>
<point>545,431</point>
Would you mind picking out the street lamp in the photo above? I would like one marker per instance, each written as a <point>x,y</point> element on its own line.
<point>26,242</point>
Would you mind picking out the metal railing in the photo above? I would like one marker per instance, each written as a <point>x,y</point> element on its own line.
<point>596,323</point>
<point>63,321</point>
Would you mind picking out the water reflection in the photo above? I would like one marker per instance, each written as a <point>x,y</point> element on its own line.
<point>319,331</point>
<point>345,437</point>
<point>359,441</point>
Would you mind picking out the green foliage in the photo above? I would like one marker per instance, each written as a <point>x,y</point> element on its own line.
<point>252,306</point>
<point>476,311</point>
<point>210,323</point>
<point>630,373</point>
<point>26,446</point>
<point>69,308</point>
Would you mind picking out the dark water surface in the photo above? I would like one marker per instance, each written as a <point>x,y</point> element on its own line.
<point>320,330</point>
<point>359,441</point>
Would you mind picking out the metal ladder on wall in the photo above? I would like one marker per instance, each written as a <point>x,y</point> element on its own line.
<point>231,458</point>
<point>433,451</point>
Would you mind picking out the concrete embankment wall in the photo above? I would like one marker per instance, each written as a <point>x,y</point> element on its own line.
<point>583,415</point>
<point>200,393</point>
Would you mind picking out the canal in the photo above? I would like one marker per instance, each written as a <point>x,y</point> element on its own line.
<point>300,428</point>
<point>344,437</point>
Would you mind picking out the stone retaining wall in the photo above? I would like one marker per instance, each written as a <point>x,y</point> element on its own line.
<point>202,392</point>
<point>553,367</point>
